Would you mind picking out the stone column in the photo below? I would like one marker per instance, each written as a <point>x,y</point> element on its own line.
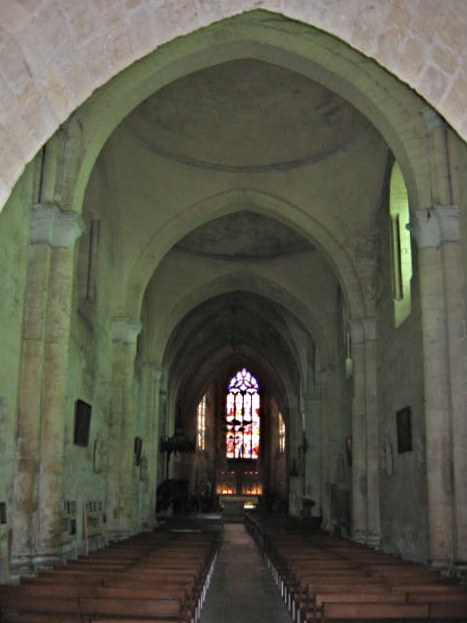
<point>373,538</point>
<point>163,433</point>
<point>29,401</point>
<point>359,467</point>
<point>152,444</point>
<point>457,343</point>
<point>428,231</point>
<point>121,429</point>
<point>67,227</point>
<point>295,439</point>
<point>314,457</point>
<point>448,239</point>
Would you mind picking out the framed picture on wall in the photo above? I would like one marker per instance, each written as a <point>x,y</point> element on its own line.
<point>404,429</point>
<point>82,423</point>
<point>138,450</point>
<point>348,450</point>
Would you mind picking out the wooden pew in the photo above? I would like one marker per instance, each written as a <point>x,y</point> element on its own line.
<point>133,604</point>
<point>168,609</point>
<point>308,604</point>
<point>373,612</point>
<point>31,617</point>
<point>159,578</point>
<point>448,611</point>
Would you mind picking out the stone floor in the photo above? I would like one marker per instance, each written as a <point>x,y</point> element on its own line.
<point>242,589</point>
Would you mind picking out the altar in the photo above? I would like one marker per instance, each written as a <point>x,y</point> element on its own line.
<point>236,505</point>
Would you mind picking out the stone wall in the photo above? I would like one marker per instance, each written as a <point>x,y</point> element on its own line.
<point>403,492</point>
<point>85,468</point>
<point>14,237</point>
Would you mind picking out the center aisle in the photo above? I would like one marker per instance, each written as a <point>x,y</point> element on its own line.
<point>242,588</point>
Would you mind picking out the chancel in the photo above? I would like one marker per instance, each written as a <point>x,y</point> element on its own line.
<point>233,274</point>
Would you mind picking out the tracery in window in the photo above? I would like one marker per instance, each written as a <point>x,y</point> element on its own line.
<point>201,417</point>
<point>242,417</point>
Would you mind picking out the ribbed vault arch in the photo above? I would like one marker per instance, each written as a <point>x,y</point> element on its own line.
<point>232,330</point>
<point>229,202</point>
<point>237,280</point>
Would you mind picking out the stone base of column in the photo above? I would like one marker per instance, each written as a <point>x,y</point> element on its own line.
<point>359,536</point>
<point>47,561</point>
<point>118,535</point>
<point>460,571</point>
<point>373,541</point>
<point>21,566</point>
<point>442,566</point>
<point>150,526</point>
<point>295,496</point>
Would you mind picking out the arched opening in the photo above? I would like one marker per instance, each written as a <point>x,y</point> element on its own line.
<point>242,417</point>
<point>234,178</point>
<point>401,246</point>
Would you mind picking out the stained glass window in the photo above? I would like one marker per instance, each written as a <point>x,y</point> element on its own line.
<point>242,417</point>
<point>201,414</point>
<point>281,433</point>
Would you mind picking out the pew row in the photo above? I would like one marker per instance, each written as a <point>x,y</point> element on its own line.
<point>158,578</point>
<point>323,578</point>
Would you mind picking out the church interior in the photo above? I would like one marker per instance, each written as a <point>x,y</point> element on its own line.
<point>233,272</point>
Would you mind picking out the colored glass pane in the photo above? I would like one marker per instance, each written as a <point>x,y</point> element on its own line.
<point>201,416</point>
<point>242,417</point>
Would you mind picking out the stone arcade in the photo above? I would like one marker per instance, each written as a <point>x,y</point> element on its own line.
<point>193,189</point>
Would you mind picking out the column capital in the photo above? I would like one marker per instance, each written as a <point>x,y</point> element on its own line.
<point>448,217</point>
<point>126,330</point>
<point>314,398</point>
<point>68,228</point>
<point>433,226</point>
<point>52,226</point>
<point>42,223</point>
<point>369,328</point>
<point>362,329</point>
<point>356,330</point>
<point>153,370</point>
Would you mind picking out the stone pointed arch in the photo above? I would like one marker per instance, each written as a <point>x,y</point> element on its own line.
<point>263,203</point>
<point>57,56</point>
<point>391,108</point>
<point>236,280</point>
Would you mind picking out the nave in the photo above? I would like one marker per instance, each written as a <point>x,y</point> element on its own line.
<point>242,587</point>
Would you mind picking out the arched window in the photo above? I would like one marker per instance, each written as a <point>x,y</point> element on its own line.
<point>281,433</point>
<point>400,245</point>
<point>201,417</point>
<point>242,417</point>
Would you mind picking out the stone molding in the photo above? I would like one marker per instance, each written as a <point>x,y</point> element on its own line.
<point>432,119</point>
<point>153,368</point>
<point>433,226</point>
<point>154,371</point>
<point>52,226</point>
<point>126,330</point>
